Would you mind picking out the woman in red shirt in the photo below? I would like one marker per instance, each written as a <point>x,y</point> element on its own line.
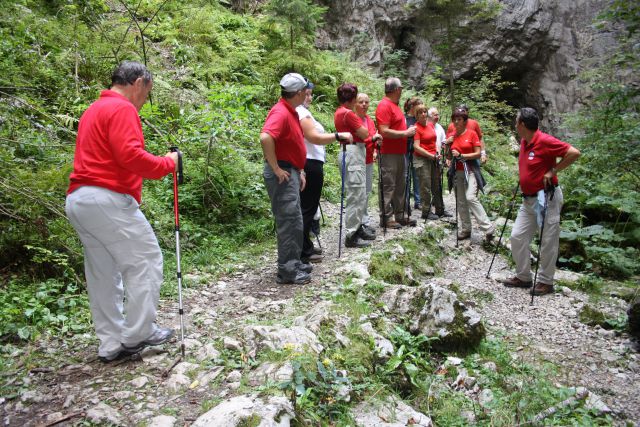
<point>425,162</point>
<point>465,146</point>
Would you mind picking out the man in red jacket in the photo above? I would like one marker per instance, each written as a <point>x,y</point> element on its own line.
<point>122,257</point>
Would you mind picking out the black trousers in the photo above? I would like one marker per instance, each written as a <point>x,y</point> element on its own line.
<point>309,201</point>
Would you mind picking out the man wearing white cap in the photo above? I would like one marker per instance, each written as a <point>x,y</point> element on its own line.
<point>285,156</point>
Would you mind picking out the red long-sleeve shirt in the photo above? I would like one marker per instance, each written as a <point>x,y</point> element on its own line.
<point>110,149</point>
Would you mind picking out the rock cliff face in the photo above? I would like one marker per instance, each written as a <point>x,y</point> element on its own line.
<point>541,45</point>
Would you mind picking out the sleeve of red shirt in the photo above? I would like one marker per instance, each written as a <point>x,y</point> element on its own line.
<point>475,140</point>
<point>127,144</point>
<point>274,124</point>
<point>475,126</point>
<point>450,129</point>
<point>555,147</point>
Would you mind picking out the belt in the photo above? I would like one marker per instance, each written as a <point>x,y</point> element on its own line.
<point>528,196</point>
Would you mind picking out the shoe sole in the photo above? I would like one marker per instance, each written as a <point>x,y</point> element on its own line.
<point>123,354</point>
<point>142,345</point>
<point>525,286</point>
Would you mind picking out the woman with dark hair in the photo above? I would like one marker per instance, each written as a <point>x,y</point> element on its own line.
<point>465,146</point>
<point>346,120</point>
<point>410,106</point>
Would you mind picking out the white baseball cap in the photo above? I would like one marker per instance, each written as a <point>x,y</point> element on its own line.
<point>293,82</point>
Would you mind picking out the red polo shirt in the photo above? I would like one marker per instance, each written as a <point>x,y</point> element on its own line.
<point>346,120</point>
<point>110,149</point>
<point>465,144</point>
<point>537,158</point>
<point>283,125</point>
<point>426,134</point>
<point>471,125</point>
<point>388,113</point>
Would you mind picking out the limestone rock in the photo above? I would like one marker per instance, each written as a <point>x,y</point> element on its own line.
<point>392,413</point>
<point>248,410</point>
<point>318,315</point>
<point>436,312</point>
<point>208,352</point>
<point>299,338</point>
<point>104,414</point>
<point>162,421</point>
<point>382,346</point>
<point>271,372</point>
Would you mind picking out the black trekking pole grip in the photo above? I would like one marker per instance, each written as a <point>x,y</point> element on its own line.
<point>180,174</point>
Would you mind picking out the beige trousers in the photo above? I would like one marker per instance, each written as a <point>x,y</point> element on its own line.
<point>468,203</point>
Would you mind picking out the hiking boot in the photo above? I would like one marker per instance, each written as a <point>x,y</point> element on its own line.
<point>514,282</point>
<point>392,224</point>
<point>119,355</point>
<point>541,289</point>
<point>364,234</point>
<point>305,267</point>
<point>369,229</point>
<point>300,279</point>
<point>444,214</point>
<point>313,258</point>
<point>355,242</point>
<point>430,216</point>
<point>159,336</point>
<point>407,222</point>
<point>418,206</point>
<point>462,235</point>
<point>317,251</point>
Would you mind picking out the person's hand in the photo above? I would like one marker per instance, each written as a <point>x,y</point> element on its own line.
<point>455,153</point>
<point>410,131</point>
<point>345,137</point>
<point>448,162</point>
<point>449,140</point>
<point>375,155</point>
<point>483,158</point>
<point>282,175</point>
<point>173,156</point>
<point>303,181</point>
<point>548,178</point>
<point>376,137</point>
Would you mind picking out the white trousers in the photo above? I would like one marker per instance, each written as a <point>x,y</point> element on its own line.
<point>123,265</point>
<point>525,229</point>
<point>468,203</point>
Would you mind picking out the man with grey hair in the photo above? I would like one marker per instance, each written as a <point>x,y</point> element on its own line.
<point>285,156</point>
<point>122,258</point>
<point>393,128</point>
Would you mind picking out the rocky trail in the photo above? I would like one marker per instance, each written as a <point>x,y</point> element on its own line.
<point>70,386</point>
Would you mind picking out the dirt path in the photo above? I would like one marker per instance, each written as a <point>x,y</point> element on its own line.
<point>72,381</point>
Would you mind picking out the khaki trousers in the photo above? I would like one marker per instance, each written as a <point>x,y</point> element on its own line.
<point>393,182</point>
<point>429,184</point>
<point>354,187</point>
<point>524,230</point>
<point>468,203</point>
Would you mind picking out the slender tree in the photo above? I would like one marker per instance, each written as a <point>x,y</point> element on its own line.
<point>457,20</point>
<point>302,17</point>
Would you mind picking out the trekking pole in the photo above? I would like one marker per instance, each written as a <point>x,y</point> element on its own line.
<point>344,162</point>
<point>381,191</point>
<point>455,192</point>
<point>544,215</point>
<point>406,207</point>
<point>178,179</point>
<point>504,226</point>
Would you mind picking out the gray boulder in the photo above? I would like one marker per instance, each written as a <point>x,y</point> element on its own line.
<point>248,410</point>
<point>436,312</point>
<point>392,413</point>
<point>299,338</point>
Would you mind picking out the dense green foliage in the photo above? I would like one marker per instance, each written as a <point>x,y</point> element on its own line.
<point>216,75</point>
<point>604,235</point>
